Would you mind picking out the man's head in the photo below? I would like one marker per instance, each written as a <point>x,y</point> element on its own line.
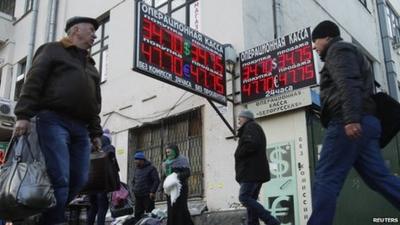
<point>322,34</point>
<point>81,31</point>
<point>139,159</point>
<point>244,116</point>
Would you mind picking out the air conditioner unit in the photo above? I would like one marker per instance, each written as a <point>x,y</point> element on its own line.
<point>396,42</point>
<point>6,107</point>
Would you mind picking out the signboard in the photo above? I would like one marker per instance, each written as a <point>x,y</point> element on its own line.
<point>281,103</point>
<point>172,52</point>
<point>278,66</point>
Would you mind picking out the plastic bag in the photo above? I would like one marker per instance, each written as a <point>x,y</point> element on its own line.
<point>172,187</point>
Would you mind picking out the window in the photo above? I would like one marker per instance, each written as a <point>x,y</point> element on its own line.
<point>21,69</point>
<point>7,7</point>
<point>185,11</point>
<point>184,130</point>
<point>99,50</point>
<point>394,23</point>
<point>28,5</point>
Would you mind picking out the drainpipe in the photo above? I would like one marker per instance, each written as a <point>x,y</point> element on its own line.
<point>277,14</point>
<point>51,35</point>
<point>32,38</point>
<point>391,74</point>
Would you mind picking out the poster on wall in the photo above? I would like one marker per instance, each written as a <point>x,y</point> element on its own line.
<point>172,52</point>
<point>278,66</point>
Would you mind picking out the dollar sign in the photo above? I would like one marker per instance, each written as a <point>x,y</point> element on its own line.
<point>186,48</point>
<point>283,166</point>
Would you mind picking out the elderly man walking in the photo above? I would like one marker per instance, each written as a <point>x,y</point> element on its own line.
<point>62,89</point>
<point>252,170</point>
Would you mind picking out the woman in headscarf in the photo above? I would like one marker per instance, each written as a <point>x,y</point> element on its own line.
<point>178,212</point>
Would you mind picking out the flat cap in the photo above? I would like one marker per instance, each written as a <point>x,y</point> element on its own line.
<point>79,19</point>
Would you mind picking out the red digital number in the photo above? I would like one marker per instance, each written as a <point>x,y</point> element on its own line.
<point>161,36</point>
<point>162,59</point>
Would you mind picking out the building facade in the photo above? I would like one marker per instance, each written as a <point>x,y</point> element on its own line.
<point>147,114</point>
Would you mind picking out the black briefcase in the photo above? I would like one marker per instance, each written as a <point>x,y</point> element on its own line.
<point>103,173</point>
<point>388,112</point>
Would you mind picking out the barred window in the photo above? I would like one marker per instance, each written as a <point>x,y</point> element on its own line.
<point>99,50</point>
<point>394,23</point>
<point>184,130</point>
<point>7,7</point>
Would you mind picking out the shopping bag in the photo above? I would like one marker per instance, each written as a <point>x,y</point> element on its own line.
<point>119,196</point>
<point>25,188</point>
<point>388,112</point>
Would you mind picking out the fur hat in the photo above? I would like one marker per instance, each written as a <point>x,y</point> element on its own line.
<point>247,114</point>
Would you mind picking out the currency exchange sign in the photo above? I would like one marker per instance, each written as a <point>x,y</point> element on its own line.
<point>278,66</point>
<point>172,52</point>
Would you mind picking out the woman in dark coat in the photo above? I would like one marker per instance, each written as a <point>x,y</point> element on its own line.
<point>178,213</point>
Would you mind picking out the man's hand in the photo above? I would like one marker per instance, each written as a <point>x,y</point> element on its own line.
<point>353,130</point>
<point>96,142</point>
<point>22,127</point>
<point>152,196</point>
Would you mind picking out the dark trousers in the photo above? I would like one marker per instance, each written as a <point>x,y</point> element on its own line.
<point>65,146</point>
<point>143,204</point>
<point>339,154</point>
<point>99,207</point>
<point>248,196</point>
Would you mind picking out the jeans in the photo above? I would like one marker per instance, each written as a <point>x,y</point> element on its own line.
<point>248,196</point>
<point>66,149</point>
<point>339,154</point>
<point>99,206</point>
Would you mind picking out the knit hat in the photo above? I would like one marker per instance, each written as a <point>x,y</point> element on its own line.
<point>140,155</point>
<point>247,114</point>
<point>325,29</point>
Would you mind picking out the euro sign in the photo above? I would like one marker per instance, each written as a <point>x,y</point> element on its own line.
<point>278,211</point>
<point>282,165</point>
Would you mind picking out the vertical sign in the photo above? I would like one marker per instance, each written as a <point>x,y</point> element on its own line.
<point>278,66</point>
<point>172,52</point>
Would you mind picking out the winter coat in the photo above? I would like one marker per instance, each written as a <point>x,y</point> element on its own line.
<point>146,180</point>
<point>346,83</point>
<point>251,164</point>
<point>63,79</point>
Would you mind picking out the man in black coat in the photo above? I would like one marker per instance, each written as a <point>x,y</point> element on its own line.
<point>251,167</point>
<point>145,185</point>
<point>352,131</point>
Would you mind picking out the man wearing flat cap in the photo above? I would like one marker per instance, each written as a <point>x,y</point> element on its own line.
<point>252,169</point>
<point>352,131</point>
<point>62,90</point>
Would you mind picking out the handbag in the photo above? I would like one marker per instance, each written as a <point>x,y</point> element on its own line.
<point>103,173</point>
<point>25,188</point>
<point>388,112</point>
